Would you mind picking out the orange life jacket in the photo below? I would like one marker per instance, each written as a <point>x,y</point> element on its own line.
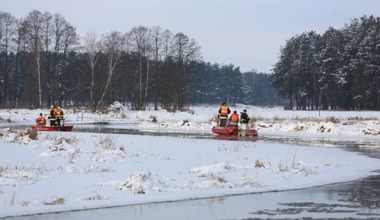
<point>41,120</point>
<point>58,113</point>
<point>235,118</point>
<point>224,110</point>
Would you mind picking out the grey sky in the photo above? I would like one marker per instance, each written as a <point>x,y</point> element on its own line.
<point>245,33</point>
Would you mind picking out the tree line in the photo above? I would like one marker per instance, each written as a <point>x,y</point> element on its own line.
<point>43,61</point>
<point>339,69</point>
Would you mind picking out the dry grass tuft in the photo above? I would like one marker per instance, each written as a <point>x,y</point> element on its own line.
<point>153,119</point>
<point>185,123</point>
<point>259,164</point>
<point>32,133</point>
<point>108,142</point>
<point>2,171</point>
<point>69,140</point>
<point>94,196</point>
<point>58,201</point>
<point>213,119</point>
<point>122,115</point>
<point>332,119</point>
<point>218,179</point>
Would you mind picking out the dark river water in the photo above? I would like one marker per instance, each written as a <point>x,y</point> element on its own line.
<point>351,200</point>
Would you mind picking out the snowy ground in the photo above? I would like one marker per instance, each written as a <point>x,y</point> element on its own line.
<point>70,171</point>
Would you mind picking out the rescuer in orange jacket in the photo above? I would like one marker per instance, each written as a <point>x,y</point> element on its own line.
<point>41,121</point>
<point>223,114</point>
<point>234,119</point>
<point>58,115</point>
<point>51,116</point>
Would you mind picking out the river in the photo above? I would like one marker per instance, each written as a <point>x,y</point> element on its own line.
<point>351,200</point>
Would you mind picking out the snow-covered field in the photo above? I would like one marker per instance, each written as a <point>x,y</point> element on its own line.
<point>70,171</point>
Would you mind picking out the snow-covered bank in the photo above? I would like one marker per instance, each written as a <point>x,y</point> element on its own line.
<point>66,171</point>
<point>202,118</point>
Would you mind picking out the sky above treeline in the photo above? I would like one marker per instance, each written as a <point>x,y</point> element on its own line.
<point>245,33</point>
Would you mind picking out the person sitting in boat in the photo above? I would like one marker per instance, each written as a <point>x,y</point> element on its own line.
<point>51,116</point>
<point>223,114</point>
<point>41,121</point>
<point>234,119</point>
<point>58,116</point>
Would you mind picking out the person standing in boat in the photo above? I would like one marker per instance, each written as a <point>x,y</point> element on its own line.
<point>224,110</point>
<point>58,116</point>
<point>51,116</point>
<point>244,121</point>
<point>41,121</point>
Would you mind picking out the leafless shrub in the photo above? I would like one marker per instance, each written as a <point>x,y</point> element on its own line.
<point>259,164</point>
<point>76,110</point>
<point>317,120</point>
<point>72,156</point>
<point>57,201</point>
<point>136,182</point>
<point>332,119</point>
<point>96,196</point>
<point>294,161</point>
<point>12,202</point>
<point>69,140</point>
<point>2,171</point>
<point>32,133</point>
<point>322,129</point>
<point>277,118</point>
<point>218,179</point>
<point>357,118</point>
<point>283,167</point>
<point>172,110</point>
<point>122,148</point>
<point>122,115</point>
<point>299,128</point>
<point>185,122</point>
<point>153,119</point>
<point>253,119</point>
<point>108,142</point>
<point>213,119</point>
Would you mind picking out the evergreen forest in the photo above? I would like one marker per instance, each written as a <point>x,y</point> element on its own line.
<point>339,69</point>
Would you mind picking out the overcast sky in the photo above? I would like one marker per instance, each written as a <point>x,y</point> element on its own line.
<point>245,33</point>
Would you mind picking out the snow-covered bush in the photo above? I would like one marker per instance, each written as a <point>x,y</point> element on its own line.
<point>138,182</point>
<point>115,107</point>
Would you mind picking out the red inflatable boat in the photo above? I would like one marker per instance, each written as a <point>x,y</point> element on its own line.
<point>53,128</point>
<point>232,131</point>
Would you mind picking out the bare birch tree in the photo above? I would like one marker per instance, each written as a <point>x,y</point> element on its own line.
<point>140,43</point>
<point>158,52</point>
<point>47,38</point>
<point>112,45</point>
<point>7,32</point>
<point>183,50</point>
<point>21,45</point>
<point>34,21</point>
<point>90,51</point>
<point>65,41</point>
<point>163,82</point>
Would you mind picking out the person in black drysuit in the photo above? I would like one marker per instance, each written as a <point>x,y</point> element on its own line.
<point>244,121</point>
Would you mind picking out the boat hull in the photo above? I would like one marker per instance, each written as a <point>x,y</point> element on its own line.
<point>53,128</point>
<point>233,131</point>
